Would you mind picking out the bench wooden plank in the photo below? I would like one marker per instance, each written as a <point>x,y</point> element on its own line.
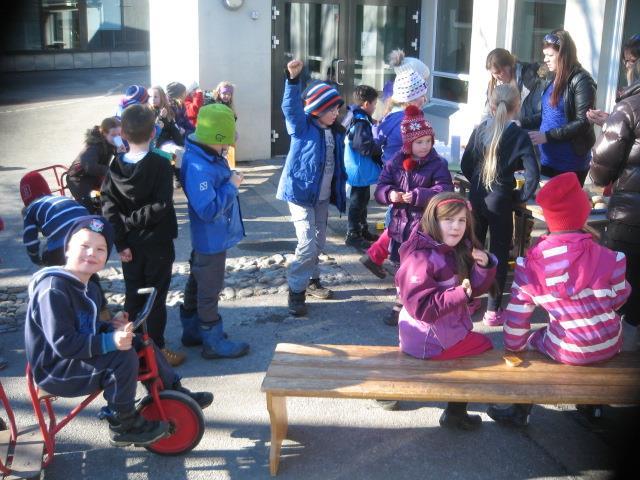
<point>27,456</point>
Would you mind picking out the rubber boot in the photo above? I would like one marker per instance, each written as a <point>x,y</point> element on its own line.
<point>456,416</point>
<point>191,336</point>
<point>214,345</point>
<point>126,428</point>
<point>516,414</point>
<point>297,305</point>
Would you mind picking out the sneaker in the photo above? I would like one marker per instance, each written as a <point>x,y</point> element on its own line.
<point>493,319</point>
<point>132,428</point>
<point>315,289</point>
<point>474,305</point>
<point>357,241</point>
<point>460,420</point>
<point>173,358</point>
<point>373,267</point>
<point>392,317</point>
<point>297,305</point>
<point>204,399</point>
<point>516,415</point>
<point>389,405</point>
<point>369,237</point>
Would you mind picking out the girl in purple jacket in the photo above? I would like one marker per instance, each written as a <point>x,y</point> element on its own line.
<point>442,268</point>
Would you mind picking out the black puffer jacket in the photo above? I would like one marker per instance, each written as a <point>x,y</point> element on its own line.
<point>579,97</point>
<point>93,161</point>
<point>616,158</point>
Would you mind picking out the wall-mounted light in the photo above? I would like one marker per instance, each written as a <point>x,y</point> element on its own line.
<point>233,4</point>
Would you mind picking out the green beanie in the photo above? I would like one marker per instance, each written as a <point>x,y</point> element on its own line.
<point>216,125</point>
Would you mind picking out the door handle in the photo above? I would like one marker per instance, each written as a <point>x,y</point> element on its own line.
<point>338,71</point>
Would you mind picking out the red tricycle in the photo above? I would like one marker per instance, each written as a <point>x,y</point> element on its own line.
<point>23,454</point>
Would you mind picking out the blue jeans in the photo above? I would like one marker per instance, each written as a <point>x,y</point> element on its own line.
<point>311,230</point>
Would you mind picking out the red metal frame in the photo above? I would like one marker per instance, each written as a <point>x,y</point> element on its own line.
<point>58,172</point>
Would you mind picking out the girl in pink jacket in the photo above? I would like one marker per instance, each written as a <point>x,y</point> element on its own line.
<point>441,271</point>
<point>578,282</point>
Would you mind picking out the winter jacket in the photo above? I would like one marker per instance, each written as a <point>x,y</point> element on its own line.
<point>52,215</point>
<point>579,96</point>
<point>430,177</point>
<point>180,113</point>
<point>581,284</point>
<point>62,325</point>
<point>169,131</point>
<point>192,105</point>
<point>435,314</point>
<point>215,218</point>
<point>387,135</point>
<point>616,158</point>
<point>361,154</point>
<point>515,152</point>
<point>137,199</point>
<point>304,167</point>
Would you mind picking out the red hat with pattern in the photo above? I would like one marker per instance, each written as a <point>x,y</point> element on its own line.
<point>564,203</point>
<point>33,186</point>
<point>414,126</point>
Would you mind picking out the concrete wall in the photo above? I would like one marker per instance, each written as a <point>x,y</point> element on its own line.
<point>26,62</point>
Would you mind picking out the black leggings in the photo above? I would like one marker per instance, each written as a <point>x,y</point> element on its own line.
<point>552,172</point>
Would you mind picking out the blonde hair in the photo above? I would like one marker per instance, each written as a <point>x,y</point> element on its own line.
<point>216,93</point>
<point>164,103</point>
<point>498,59</point>
<point>504,100</point>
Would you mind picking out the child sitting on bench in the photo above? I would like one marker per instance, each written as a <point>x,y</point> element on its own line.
<point>72,353</point>
<point>442,268</point>
<point>579,283</point>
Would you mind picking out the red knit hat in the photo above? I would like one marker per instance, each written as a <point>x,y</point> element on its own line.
<point>33,186</point>
<point>414,126</point>
<point>565,205</point>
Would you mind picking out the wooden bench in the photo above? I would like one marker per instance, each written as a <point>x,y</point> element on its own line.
<point>370,372</point>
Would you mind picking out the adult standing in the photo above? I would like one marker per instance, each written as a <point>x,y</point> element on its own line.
<point>565,135</point>
<point>616,158</point>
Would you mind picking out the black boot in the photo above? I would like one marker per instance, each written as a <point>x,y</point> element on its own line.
<point>456,416</point>
<point>297,305</point>
<point>373,267</point>
<point>591,412</point>
<point>204,399</point>
<point>315,289</point>
<point>356,240</point>
<point>368,236</point>
<point>516,415</point>
<point>390,405</point>
<point>126,428</point>
<point>393,316</point>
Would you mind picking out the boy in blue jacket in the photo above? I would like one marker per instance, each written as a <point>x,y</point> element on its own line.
<point>313,176</point>
<point>216,225</point>
<point>362,161</point>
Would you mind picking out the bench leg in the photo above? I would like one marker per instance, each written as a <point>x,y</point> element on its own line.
<point>277,407</point>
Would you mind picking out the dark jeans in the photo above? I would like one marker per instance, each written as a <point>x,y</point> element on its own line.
<point>190,301</point>
<point>357,215</point>
<point>626,239</point>
<point>552,172</point>
<point>208,270</point>
<point>150,267</point>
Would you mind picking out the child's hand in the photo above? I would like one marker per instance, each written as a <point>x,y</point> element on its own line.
<point>120,320</point>
<point>466,284</point>
<point>480,257</point>
<point>126,255</point>
<point>407,197</point>
<point>123,337</point>
<point>396,197</point>
<point>294,67</point>
<point>236,178</point>
<point>163,112</point>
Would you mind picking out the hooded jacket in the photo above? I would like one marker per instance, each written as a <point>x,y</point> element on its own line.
<point>388,136</point>
<point>581,285</point>
<point>430,177</point>
<point>62,325</point>
<point>137,199</point>
<point>616,158</point>
<point>361,154</point>
<point>435,315</point>
<point>215,218</point>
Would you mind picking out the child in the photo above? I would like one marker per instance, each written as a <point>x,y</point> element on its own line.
<point>496,149</point>
<point>407,183</point>
<point>579,283</point>
<point>177,94</point>
<point>133,95</point>
<point>137,199</point>
<point>88,170</point>
<point>216,225</point>
<point>193,101</point>
<point>223,93</point>
<point>165,119</point>
<point>72,353</point>
<point>441,269</point>
<point>363,165</point>
<point>313,176</point>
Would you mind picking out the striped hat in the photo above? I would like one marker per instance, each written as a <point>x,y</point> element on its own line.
<point>408,86</point>
<point>133,95</point>
<point>320,99</point>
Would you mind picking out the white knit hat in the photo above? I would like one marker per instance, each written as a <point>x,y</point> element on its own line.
<point>408,86</point>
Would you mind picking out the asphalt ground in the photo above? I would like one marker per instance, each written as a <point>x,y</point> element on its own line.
<point>43,117</point>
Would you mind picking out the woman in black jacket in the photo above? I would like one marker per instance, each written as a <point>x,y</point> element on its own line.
<point>89,168</point>
<point>565,136</point>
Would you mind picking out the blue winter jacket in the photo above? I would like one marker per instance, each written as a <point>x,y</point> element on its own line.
<point>214,208</point>
<point>361,154</point>
<point>62,326</point>
<point>302,173</point>
<point>387,135</point>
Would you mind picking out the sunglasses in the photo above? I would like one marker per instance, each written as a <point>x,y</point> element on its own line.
<point>552,38</point>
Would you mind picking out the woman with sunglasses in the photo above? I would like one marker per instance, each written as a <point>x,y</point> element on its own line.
<point>565,135</point>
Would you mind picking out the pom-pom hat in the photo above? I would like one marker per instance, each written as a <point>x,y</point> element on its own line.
<point>133,95</point>
<point>408,86</point>
<point>33,186</point>
<point>321,98</point>
<point>564,203</point>
<point>414,126</point>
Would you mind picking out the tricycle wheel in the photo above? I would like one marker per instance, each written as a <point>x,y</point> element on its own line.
<point>185,418</point>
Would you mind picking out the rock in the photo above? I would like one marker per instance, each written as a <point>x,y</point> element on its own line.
<point>16,289</point>
<point>4,297</point>
<point>277,259</point>
<point>228,293</point>
<point>249,268</point>
<point>277,281</point>
<point>257,291</point>
<point>245,293</point>
<point>283,288</point>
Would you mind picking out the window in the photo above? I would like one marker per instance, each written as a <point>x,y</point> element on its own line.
<point>533,19</point>
<point>452,48</point>
<point>60,24</point>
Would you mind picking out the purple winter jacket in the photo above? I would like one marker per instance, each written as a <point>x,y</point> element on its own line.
<point>429,178</point>
<point>435,314</point>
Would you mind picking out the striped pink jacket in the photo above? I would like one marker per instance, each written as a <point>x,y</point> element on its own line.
<point>580,284</point>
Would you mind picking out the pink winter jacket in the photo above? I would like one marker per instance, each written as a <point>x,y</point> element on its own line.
<point>435,314</point>
<point>580,284</point>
